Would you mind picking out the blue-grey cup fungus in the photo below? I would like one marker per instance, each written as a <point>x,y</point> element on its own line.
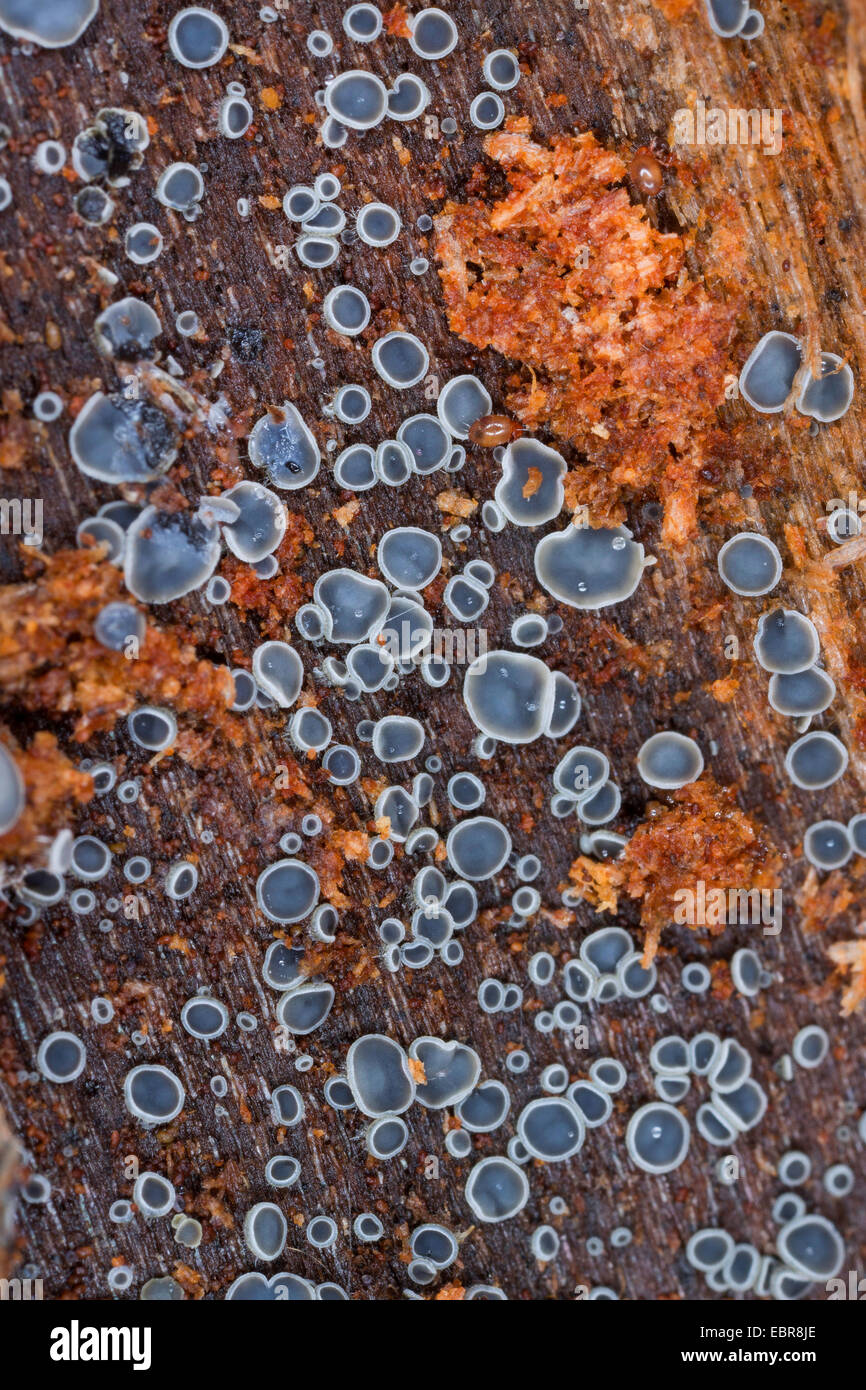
<point>496,1189</point>
<point>501,69</point>
<point>462,401</point>
<point>52,24</point>
<point>153,1194</point>
<point>827,397</point>
<point>478,848</point>
<point>400,359</point>
<point>670,760</point>
<point>265,1231</point>
<point>816,761</point>
<point>197,37</point>
<point>509,696</point>
<point>169,554</point>
<point>487,111</point>
<point>287,891</point>
<point>767,376</point>
<point>356,99</point>
<point>62,1057</point>
<point>485,1108</point>
<point>346,309</point>
<point>153,1093</point>
<point>409,557</point>
<point>378,224</point>
<point>362,22</point>
<point>827,845</point>
<point>812,1246</point>
<point>803,694</point>
<point>304,1009</point>
<point>386,744</point>
<point>283,446</point>
<point>590,568</point>
<point>116,440</point>
<point>530,492</point>
<point>750,564</point>
<point>786,642</point>
<point>433,34</point>
<point>12,797</point>
<point>378,1073</point>
<point>657,1138</point>
<point>552,1129</point>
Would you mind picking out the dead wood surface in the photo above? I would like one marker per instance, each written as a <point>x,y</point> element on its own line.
<point>797,220</point>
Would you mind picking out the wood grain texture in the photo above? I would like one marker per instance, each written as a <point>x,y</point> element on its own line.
<point>786,233</point>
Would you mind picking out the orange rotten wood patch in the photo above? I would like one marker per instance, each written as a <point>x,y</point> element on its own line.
<point>50,660</point>
<point>849,958</point>
<point>702,837</point>
<point>626,353</point>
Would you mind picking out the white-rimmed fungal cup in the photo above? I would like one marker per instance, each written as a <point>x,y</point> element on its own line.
<point>51,23</point>
<point>279,671</point>
<point>812,1246</point>
<point>283,446</point>
<point>669,760</point>
<point>501,69</point>
<point>531,492</point>
<point>496,1189</point>
<point>61,1057</point>
<point>551,1128</point>
<point>265,1231</point>
<point>357,99</point>
<point>287,891</point>
<point>657,1138</point>
<point>197,38</point>
<point>750,564</point>
<point>304,1009</point>
<point>478,848</point>
<point>767,377</point>
<point>408,97</point>
<point>153,1094</point>
<point>827,398</point>
<point>400,359</point>
<point>487,111</point>
<point>803,694</point>
<point>180,187</point>
<point>816,761</point>
<point>235,117</point>
<point>727,17</point>
<point>362,22</point>
<point>432,34</point>
<point>168,555</point>
<point>589,568</point>
<point>462,401</point>
<point>409,557</point>
<point>12,799</point>
<point>827,845</point>
<point>379,1076</point>
<point>509,696</point>
<point>786,642</point>
<point>377,224</point>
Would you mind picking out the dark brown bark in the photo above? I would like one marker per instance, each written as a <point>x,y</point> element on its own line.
<point>797,223</point>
